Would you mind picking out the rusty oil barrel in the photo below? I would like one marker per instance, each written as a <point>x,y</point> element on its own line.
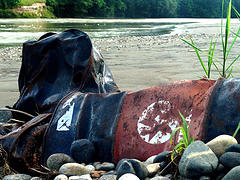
<point>128,124</point>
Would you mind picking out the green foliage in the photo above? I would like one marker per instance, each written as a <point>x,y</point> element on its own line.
<point>30,2</point>
<point>185,141</point>
<point>226,70</point>
<point>5,13</point>
<point>8,4</point>
<point>236,131</point>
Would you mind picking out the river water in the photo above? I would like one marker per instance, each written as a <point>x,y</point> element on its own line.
<point>140,52</point>
<point>16,31</point>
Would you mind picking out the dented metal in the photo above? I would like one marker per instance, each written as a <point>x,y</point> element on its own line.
<point>128,124</point>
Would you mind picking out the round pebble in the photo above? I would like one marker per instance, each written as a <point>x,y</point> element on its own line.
<point>74,169</point>
<point>61,177</point>
<point>82,151</point>
<point>129,176</point>
<point>105,166</point>
<point>55,161</point>
<point>17,177</point>
<point>90,167</point>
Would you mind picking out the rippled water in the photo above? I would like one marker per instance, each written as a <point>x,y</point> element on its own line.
<point>16,31</point>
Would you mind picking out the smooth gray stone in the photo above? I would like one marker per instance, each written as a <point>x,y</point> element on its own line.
<point>108,177</point>
<point>133,166</point>
<point>61,177</point>
<point>233,148</point>
<point>90,167</point>
<point>82,151</point>
<point>233,174</point>
<point>230,159</point>
<point>106,166</point>
<point>220,143</point>
<point>197,160</point>
<point>163,156</point>
<point>73,169</point>
<point>17,177</point>
<point>55,161</point>
<point>128,176</point>
<point>160,178</point>
<point>150,160</point>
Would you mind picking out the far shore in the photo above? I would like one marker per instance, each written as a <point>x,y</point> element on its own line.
<point>136,62</point>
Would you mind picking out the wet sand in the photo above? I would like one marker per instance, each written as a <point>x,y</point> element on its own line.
<point>136,62</point>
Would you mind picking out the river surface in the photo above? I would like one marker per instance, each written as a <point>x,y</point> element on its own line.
<point>16,31</point>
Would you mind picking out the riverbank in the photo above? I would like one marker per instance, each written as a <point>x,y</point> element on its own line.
<point>136,62</point>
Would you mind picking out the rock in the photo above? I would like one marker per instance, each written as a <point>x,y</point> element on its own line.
<point>163,156</point>
<point>82,151</point>
<point>61,177</point>
<point>83,177</point>
<point>220,143</point>
<point>124,168</point>
<point>5,116</point>
<point>133,166</point>
<point>220,168</point>
<point>55,161</point>
<point>17,177</point>
<point>90,167</point>
<point>197,160</point>
<point>233,148</point>
<point>160,178</point>
<point>230,159</point>
<point>150,160</point>
<point>105,166</point>
<point>36,178</point>
<point>204,178</point>
<point>153,169</point>
<point>233,174</point>
<point>74,169</point>
<point>97,174</point>
<point>128,176</point>
<point>108,177</point>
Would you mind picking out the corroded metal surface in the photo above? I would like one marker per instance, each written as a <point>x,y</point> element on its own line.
<point>223,111</point>
<point>148,117</point>
<point>23,145</point>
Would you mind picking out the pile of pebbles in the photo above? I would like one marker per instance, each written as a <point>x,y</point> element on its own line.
<point>218,159</point>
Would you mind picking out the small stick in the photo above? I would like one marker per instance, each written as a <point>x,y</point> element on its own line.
<point>18,111</point>
<point>37,171</point>
<point>15,120</point>
<point>167,166</point>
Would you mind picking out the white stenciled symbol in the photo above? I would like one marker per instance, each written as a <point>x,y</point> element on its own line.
<point>155,125</point>
<point>64,122</point>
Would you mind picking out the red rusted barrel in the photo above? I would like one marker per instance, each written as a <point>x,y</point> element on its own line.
<point>128,124</point>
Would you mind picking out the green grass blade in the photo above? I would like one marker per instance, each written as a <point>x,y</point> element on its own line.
<point>185,129</point>
<point>209,60</point>
<point>230,73</point>
<point>236,12</point>
<point>173,134</point>
<point>196,50</point>
<point>236,131</point>
<point>234,40</point>
<point>230,65</point>
<point>227,29</point>
<point>218,70</point>
<point>222,24</point>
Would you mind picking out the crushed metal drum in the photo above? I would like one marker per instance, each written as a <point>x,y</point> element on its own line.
<point>128,124</point>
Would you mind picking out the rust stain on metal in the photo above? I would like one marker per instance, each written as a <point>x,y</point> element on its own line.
<point>148,117</point>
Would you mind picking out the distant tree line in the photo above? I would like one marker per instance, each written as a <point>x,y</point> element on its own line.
<point>138,8</point>
<point>8,4</point>
<point>132,8</point>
